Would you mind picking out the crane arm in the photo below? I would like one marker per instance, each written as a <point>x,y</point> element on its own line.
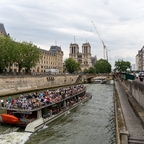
<point>97,32</point>
<point>104,46</point>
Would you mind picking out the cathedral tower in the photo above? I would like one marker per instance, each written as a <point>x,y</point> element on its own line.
<point>74,50</point>
<point>83,58</point>
<point>86,55</point>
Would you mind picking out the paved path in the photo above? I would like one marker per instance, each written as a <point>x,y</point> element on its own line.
<point>133,124</point>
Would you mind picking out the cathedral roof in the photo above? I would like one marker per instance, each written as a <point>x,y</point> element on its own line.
<point>2,29</point>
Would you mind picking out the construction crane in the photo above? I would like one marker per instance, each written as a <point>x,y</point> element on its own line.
<point>104,47</point>
<point>107,53</point>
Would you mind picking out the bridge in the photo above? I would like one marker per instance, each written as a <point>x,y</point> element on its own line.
<point>92,77</point>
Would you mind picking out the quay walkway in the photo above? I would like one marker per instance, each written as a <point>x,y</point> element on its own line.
<point>134,128</point>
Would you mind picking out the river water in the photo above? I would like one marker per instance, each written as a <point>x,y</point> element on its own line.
<point>91,123</point>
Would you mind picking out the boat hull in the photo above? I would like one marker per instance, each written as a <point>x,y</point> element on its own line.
<point>39,123</point>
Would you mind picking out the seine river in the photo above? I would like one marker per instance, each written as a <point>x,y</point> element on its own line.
<point>91,123</point>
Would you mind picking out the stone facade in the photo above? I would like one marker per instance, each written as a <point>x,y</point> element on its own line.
<point>52,59</point>
<point>140,59</point>
<point>12,85</point>
<point>85,59</point>
<point>135,88</point>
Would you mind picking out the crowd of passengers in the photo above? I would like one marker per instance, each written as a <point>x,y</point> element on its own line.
<point>35,100</point>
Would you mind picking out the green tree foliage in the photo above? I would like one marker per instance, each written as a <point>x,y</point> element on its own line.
<point>90,70</point>
<point>86,71</point>
<point>19,55</point>
<point>24,54</point>
<point>71,65</point>
<point>27,55</point>
<point>32,56</point>
<point>6,52</point>
<point>102,66</point>
<point>122,66</point>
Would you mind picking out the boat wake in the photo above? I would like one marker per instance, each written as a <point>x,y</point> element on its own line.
<point>67,112</point>
<point>45,127</point>
<point>14,138</point>
<point>9,130</point>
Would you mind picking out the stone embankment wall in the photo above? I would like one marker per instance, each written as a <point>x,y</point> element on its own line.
<point>12,85</point>
<point>136,88</point>
<point>135,94</point>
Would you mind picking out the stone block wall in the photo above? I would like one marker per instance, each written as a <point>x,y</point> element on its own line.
<point>11,85</point>
<point>136,88</point>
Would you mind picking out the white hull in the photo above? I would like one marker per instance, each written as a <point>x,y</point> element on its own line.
<point>39,123</point>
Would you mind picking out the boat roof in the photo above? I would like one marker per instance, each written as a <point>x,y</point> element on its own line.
<point>26,111</point>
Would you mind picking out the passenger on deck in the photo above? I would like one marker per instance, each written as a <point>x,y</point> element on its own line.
<point>35,100</point>
<point>2,103</point>
<point>50,112</point>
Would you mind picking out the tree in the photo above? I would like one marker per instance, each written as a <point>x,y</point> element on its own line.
<point>122,66</point>
<point>31,56</point>
<point>86,71</point>
<point>71,65</point>
<point>102,66</point>
<point>7,51</point>
<point>90,70</point>
<point>24,54</point>
<point>19,55</point>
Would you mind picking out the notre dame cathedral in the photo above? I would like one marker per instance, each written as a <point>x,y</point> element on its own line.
<point>84,58</point>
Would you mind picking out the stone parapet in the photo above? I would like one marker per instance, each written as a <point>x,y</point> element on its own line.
<point>12,85</point>
<point>135,93</point>
<point>134,88</point>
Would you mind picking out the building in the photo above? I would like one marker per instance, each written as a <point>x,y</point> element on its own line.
<point>93,59</point>
<point>140,60</point>
<point>2,30</point>
<point>84,58</point>
<point>133,67</point>
<point>51,59</point>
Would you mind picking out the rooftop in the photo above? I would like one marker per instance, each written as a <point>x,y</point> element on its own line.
<point>2,29</point>
<point>53,49</point>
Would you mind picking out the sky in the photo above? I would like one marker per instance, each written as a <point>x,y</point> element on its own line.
<point>118,23</point>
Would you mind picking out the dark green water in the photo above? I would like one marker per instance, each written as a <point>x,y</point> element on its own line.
<point>90,123</point>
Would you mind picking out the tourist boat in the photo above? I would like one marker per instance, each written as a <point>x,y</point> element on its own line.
<point>33,119</point>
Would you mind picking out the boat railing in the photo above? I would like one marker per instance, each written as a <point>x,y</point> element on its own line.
<point>67,107</point>
<point>43,105</point>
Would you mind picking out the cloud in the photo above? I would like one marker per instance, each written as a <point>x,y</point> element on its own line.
<point>45,23</point>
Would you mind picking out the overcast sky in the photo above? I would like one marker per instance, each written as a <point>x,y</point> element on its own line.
<point>119,23</point>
